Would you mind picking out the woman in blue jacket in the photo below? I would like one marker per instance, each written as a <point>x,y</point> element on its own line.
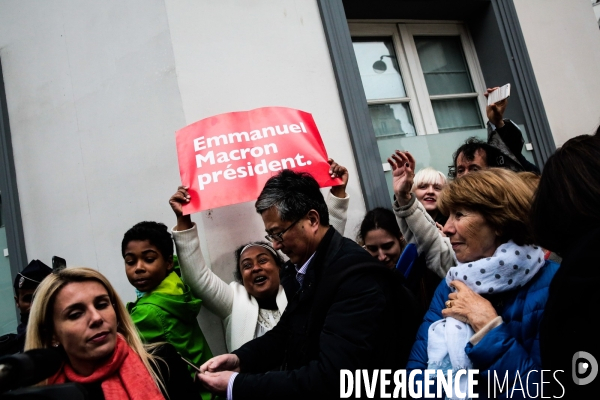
<point>485,315</point>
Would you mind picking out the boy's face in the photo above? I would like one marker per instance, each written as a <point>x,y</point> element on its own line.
<point>23,300</point>
<point>145,266</point>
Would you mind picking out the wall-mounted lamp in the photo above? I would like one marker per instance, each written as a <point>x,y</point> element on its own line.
<point>379,66</point>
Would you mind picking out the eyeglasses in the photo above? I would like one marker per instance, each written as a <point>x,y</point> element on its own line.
<point>278,237</point>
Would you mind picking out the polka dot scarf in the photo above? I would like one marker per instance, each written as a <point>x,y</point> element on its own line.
<point>509,268</point>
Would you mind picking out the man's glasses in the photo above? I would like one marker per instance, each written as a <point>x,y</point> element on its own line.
<point>278,237</point>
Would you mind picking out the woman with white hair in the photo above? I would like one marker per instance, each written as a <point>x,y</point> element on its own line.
<point>427,186</point>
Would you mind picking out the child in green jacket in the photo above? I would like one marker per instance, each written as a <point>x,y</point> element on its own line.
<point>165,310</point>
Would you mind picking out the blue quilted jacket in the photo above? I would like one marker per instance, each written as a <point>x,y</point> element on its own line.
<point>513,346</point>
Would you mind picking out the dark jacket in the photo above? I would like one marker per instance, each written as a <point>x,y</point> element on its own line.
<point>509,348</point>
<point>336,320</point>
<point>569,324</point>
<point>12,343</point>
<point>509,140</point>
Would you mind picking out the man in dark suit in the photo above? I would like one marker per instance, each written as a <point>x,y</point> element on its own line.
<point>350,312</point>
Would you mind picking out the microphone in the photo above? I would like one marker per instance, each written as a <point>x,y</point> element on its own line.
<point>28,368</point>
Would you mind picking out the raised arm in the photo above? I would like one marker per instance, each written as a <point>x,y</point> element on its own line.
<point>337,199</point>
<point>415,223</point>
<point>505,134</point>
<point>205,284</point>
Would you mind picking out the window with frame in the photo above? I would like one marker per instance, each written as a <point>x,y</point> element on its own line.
<point>419,78</point>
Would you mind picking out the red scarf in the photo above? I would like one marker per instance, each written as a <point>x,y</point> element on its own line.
<point>122,377</point>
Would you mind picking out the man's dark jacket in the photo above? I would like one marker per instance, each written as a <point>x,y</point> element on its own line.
<point>350,313</point>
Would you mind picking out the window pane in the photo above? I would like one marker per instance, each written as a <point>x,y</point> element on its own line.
<point>378,68</point>
<point>392,120</point>
<point>443,63</point>
<point>457,115</point>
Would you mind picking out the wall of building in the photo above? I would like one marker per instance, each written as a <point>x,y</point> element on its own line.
<point>96,90</point>
<point>563,41</point>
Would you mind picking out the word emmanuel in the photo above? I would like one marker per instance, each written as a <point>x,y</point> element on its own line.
<point>201,143</point>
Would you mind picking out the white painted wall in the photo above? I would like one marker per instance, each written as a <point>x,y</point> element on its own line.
<point>93,102</point>
<point>240,55</point>
<point>563,41</point>
<point>96,90</point>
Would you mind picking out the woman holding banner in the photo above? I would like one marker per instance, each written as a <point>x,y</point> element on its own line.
<point>253,303</point>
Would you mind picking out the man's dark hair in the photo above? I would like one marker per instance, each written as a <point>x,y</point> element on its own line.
<point>238,254</point>
<point>379,218</point>
<point>293,195</point>
<point>567,202</point>
<point>154,232</point>
<point>493,156</point>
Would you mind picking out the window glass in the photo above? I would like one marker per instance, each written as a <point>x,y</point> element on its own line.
<point>8,315</point>
<point>378,68</point>
<point>443,64</point>
<point>456,114</point>
<point>448,93</point>
<point>392,120</point>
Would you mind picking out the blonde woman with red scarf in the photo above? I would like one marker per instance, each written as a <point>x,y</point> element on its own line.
<point>78,311</point>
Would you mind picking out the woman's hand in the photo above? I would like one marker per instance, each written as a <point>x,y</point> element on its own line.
<point>181,197</point>
<point>467,306</point>
<point>440,228</point>
<point>403,174</point>
<point>338,171</point>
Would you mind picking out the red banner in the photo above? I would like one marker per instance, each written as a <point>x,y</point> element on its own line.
<point>226,159</point>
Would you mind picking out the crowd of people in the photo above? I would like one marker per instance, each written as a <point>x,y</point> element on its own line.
<point>490,270</point>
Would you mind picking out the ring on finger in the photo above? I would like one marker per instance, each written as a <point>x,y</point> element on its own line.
<point>448,304</point>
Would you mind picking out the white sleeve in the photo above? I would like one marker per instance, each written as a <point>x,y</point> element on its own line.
<point>419,228</point>
<point>216,295</point>
<point>338,212</point>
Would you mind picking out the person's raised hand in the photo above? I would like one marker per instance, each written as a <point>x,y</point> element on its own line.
<point>467,306</point>
<point>440,228</point>
<point>495,112</point>
<point>176,202</point>
<point>338,171</point>
<point>403,174</point>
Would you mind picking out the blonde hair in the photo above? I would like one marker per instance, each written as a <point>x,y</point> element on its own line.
<point>499,195</point>
<point>428,176</point>
<point>531,180</point>
<point>40,327</point>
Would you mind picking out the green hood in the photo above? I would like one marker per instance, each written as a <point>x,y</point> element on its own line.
<point>168,314</point>
<point>174,297</point>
